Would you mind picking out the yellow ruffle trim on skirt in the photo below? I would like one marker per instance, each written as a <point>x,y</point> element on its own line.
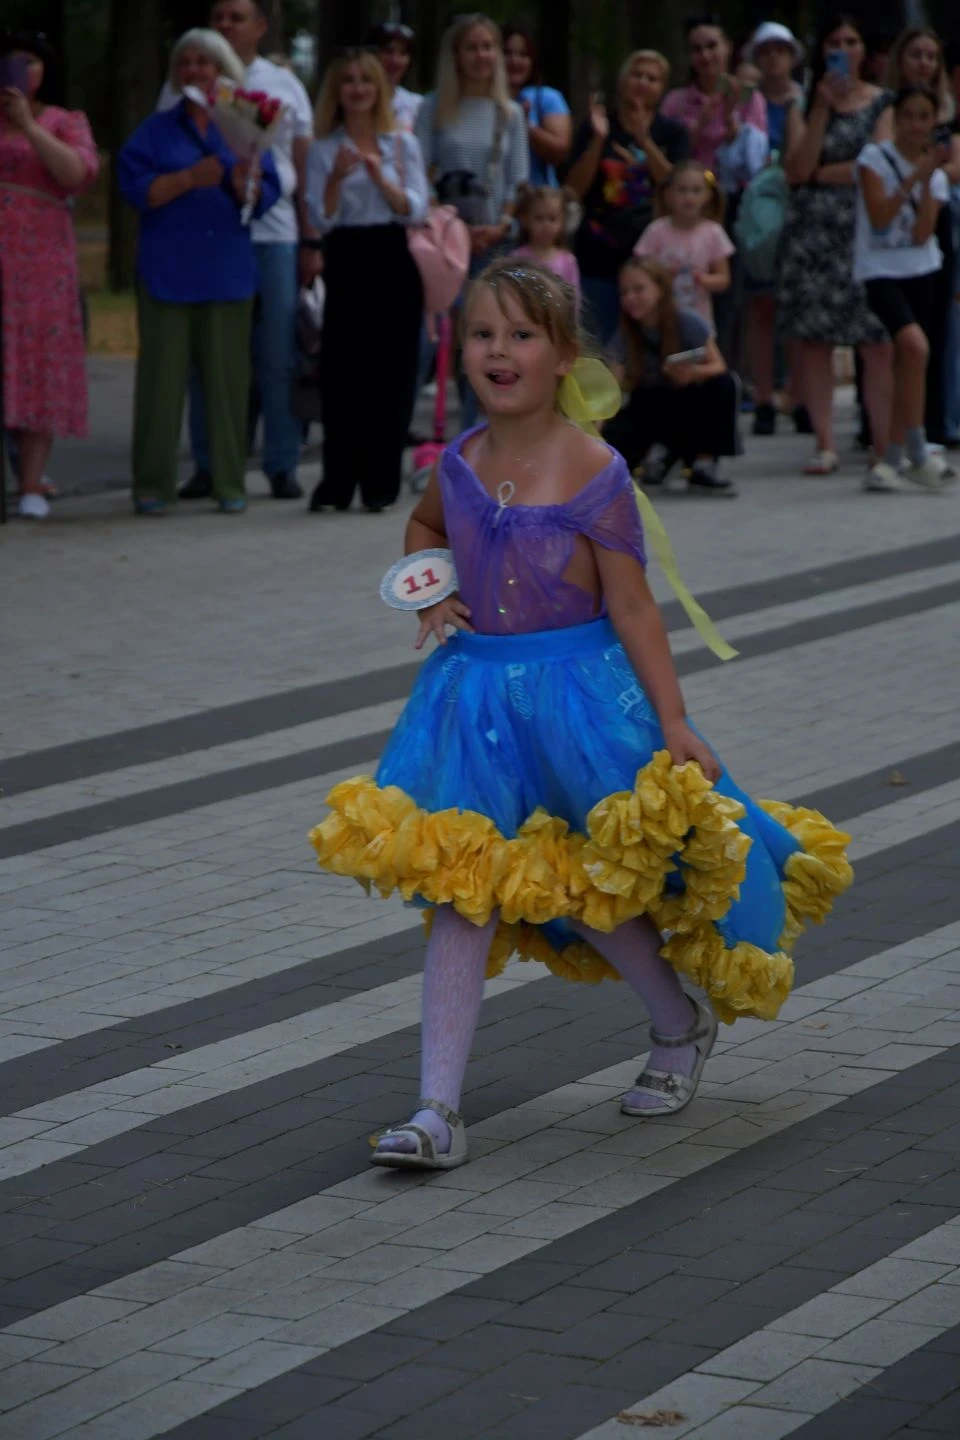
<point>611,874</point>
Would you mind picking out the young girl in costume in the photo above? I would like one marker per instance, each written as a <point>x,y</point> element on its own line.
<point>544,792</point>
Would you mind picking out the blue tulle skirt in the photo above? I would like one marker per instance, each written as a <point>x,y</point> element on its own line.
<point>528,775</point>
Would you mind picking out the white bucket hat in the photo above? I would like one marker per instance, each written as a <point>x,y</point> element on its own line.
<point>771,32</point>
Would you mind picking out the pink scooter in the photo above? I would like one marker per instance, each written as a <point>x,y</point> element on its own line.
<point>425,456</point>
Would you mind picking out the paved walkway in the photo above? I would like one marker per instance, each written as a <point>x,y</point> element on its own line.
<point>198,1031</point>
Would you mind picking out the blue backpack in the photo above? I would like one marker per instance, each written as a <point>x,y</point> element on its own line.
<point>760,221</point>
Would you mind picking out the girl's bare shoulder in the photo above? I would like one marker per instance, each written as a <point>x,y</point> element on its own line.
<point>584,458</point>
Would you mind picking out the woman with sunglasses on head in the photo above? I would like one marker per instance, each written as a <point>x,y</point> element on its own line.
<point>394,45</point>
<point>549,127</point>
<point>47,155</point>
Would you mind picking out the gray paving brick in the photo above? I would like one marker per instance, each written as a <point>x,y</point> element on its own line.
<point>743,1423</point>
<point>92,1395</point>
<point>646,1366</point>
<point>33,1378</point>
<point>808,1386</point>
<point>764,1355</point>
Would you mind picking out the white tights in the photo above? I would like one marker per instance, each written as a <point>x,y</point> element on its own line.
<point>453,979</point>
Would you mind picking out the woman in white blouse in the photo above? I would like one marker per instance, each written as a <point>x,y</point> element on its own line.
<point>366,182</point>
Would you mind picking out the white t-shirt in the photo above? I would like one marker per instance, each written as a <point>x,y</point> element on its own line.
<point>279,225</point>
<point>406,107</point>
<point>891,254</point>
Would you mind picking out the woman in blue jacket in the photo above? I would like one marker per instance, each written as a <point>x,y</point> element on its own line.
<point>197,278</point>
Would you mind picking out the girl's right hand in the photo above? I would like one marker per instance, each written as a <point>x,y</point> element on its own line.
<point>599,120</point>
<point>435,619</point>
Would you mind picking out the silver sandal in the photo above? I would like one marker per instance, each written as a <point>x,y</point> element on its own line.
<point>675,1091</point>
<point>426,1155</point>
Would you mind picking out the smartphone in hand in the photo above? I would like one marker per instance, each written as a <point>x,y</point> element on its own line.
<point>697,356</point>
<point>14,70</point>
<point>838,64</point>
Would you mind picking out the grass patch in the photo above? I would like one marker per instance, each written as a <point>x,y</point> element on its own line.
<point>113,322</point>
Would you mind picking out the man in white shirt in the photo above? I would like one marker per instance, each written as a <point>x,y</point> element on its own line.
<point>282,261</point>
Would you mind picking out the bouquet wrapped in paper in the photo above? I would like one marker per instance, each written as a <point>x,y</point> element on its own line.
<point>248,120</point>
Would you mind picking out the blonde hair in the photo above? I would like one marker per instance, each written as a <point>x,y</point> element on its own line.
<point>946,105</point>
<point>634,340</point>
<point>329,112</point>
<point>545,299</point>
<point>716,204</point>
<point>211,44</point>
<point>449,85</point>
<point>650,57</point>
<point>530,195</point>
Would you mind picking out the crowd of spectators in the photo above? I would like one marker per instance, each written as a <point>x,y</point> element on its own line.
<point>725,230</point>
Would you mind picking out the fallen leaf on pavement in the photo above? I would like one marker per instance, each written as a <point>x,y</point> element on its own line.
<point>897,779</point>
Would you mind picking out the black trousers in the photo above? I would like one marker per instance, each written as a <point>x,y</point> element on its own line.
<point>368,362</point>
<point>690,421</point>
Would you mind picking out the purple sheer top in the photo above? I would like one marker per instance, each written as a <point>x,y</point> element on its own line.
<point>511,560</point>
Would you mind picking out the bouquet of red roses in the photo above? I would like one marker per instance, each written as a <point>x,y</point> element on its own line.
<point>248,121</point>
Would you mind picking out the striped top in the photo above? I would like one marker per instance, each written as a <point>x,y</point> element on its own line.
<point>467,143</point>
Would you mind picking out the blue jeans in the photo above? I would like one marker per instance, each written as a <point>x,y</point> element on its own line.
<point>274,360</point>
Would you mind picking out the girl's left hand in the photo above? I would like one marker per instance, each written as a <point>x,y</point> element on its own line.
<point>373,165</point>
<point>16,109</point>
<point>685,746</point>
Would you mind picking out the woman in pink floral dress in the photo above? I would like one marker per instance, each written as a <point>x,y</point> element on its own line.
<point>46,155</point>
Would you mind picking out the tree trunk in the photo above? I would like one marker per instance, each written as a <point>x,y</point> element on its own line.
<point>275,38</point>
<point>342,23</point>
<point>555,36</point>
<point>135,76</point>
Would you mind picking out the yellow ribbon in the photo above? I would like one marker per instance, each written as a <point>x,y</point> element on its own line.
<point>590,393</point>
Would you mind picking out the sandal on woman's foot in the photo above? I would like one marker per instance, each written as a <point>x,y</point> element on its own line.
<point>823,463</point>
<point>149,506</point>
<point>424,1155</point>
<point>672,1091</point>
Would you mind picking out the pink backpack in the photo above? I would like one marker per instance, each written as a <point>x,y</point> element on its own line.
<point>441,251</point>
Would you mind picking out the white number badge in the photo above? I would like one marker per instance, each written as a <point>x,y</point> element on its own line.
<point>419,580</point>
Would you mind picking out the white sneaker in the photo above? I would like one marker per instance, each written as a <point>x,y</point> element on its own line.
<point>936,459</point>
<point>33,506</point>
<point>930,475</point>
<point>884,479</point>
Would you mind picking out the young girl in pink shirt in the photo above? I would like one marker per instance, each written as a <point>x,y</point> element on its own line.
<point>689,239</point>
<point>542,218</point>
